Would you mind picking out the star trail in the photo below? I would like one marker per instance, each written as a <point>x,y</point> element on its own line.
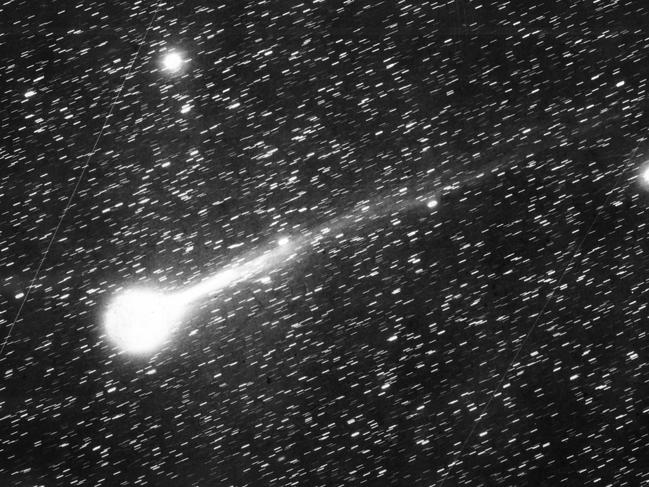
<point>327,242</point>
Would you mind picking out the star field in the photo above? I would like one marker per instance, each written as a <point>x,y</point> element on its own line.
<point>475,171</point>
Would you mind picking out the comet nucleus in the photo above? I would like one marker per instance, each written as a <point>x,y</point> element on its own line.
<point>139,321</point>
<point>172,62</point>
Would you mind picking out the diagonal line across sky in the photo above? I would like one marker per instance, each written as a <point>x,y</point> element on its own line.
<point>79,180</point>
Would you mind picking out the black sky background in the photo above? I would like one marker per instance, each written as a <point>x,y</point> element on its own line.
<point>369,359</point>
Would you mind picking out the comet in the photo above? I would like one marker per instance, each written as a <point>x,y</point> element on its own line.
<point>141,320</point>
<point>172,62</point>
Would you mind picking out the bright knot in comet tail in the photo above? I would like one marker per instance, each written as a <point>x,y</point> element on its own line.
<point>140,321</point>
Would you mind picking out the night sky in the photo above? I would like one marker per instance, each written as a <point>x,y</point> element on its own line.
<point>476,316</point>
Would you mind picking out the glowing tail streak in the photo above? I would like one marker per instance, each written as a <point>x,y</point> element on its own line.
<point>238,273</point>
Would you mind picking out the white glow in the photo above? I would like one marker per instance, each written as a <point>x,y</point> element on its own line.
<point>645,175</point>
<point>242,271</point>
<point>140,321</point>
<point>432,203</point>
<point>172,62</point>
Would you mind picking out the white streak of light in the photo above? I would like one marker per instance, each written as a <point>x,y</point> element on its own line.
<point>239,272</point>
